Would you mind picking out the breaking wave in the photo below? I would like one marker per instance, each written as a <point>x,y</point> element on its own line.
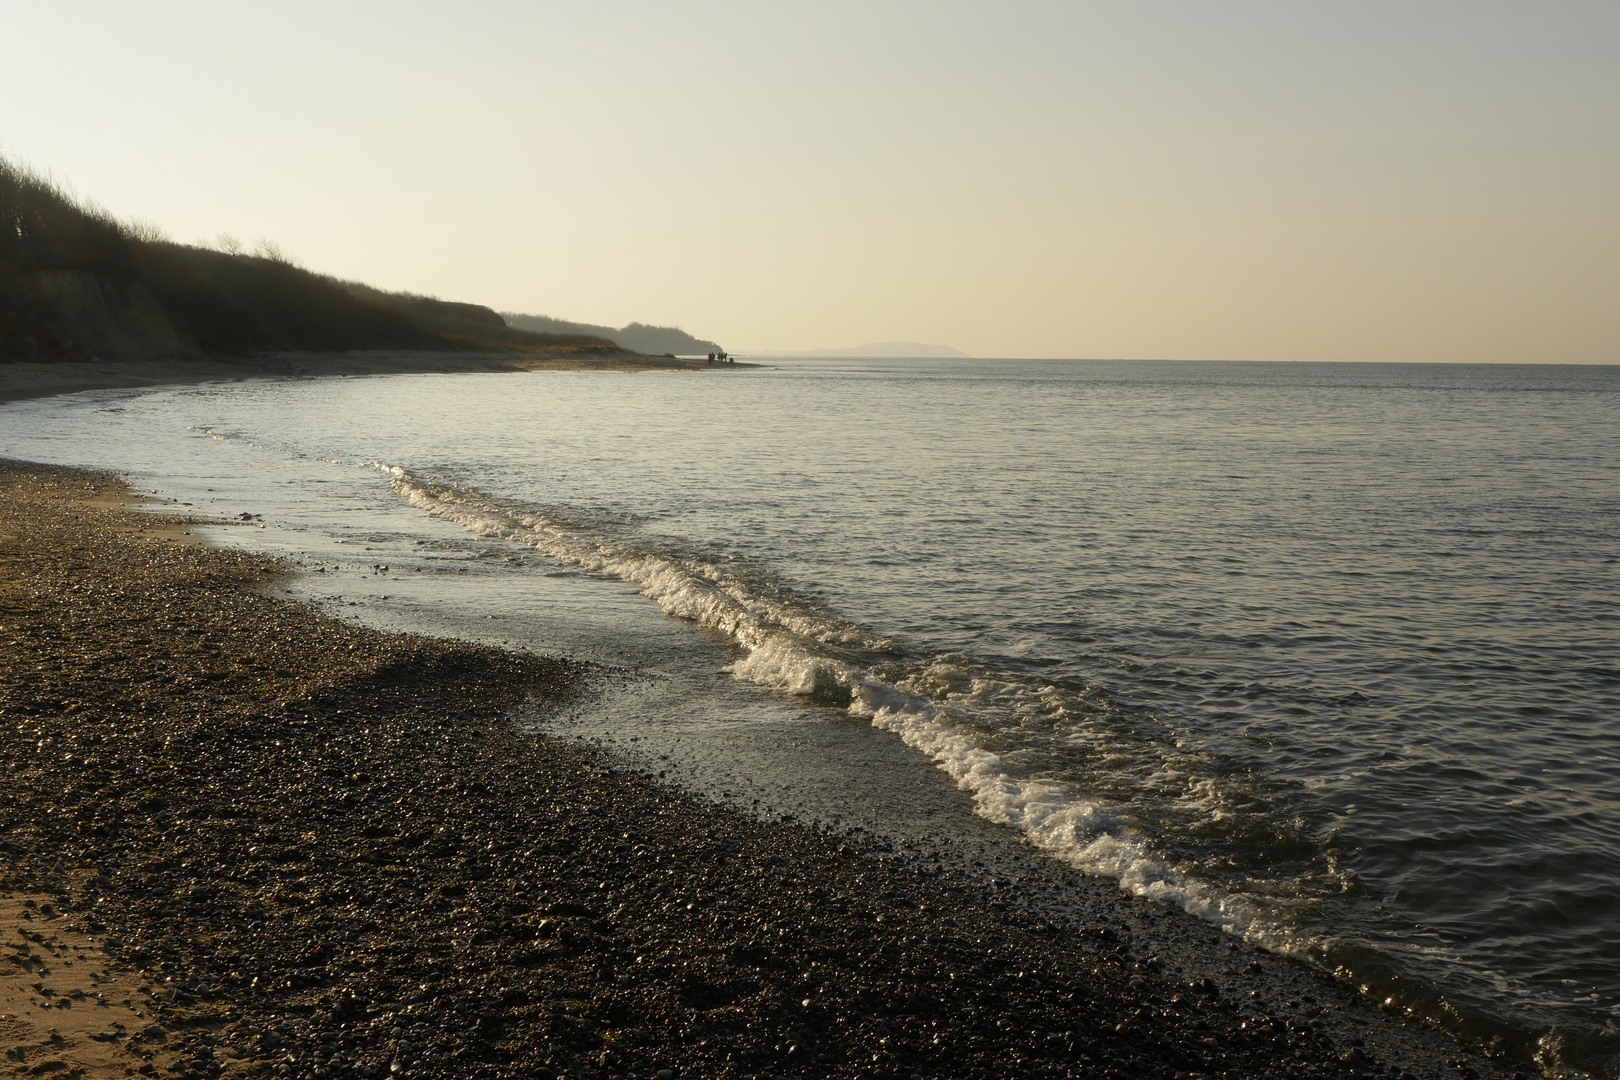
<point>939,706</point>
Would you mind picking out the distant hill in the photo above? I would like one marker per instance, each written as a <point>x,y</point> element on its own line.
<point>76,284</point>
<point>890,348</point>
<point>637,337</point>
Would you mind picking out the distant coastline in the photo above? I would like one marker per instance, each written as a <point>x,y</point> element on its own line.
<point>636,337</point>
<point>20,380</point>
<point>885,349</point>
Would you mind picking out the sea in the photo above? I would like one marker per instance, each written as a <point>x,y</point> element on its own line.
<point>1326,655</point>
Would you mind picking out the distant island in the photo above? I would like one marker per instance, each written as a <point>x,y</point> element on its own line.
<point>637,337</point>
<point>881,348</point>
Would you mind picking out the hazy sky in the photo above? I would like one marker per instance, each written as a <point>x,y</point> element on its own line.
<point>1265,180</point>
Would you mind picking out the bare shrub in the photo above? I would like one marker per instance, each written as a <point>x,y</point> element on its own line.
<point>267,248</point>
<point>145,231</point>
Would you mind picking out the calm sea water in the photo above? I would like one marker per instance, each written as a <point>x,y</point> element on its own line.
<point>1324,654</point>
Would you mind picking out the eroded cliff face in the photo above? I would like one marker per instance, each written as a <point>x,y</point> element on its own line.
<point>96,317</point>
<point>51,315</point>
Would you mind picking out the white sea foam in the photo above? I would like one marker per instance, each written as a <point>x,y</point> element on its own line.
<point>789,648</point>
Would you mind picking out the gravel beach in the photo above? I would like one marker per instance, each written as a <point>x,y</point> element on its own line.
<point>318,850</point>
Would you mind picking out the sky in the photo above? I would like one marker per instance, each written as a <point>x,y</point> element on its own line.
<point>1369,181</point>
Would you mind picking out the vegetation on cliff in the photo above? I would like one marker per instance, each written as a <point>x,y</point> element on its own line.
<point>77,284</point>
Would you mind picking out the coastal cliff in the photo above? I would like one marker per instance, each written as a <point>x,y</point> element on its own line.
<point>76,284</point>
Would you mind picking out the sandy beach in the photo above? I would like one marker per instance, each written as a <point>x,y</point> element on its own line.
<point>27,380</point>
<point>279,845</point>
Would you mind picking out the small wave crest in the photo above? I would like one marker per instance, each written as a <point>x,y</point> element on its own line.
<point>793,647</point>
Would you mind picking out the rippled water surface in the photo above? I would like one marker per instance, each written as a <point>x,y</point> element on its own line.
<point>1326,654</point>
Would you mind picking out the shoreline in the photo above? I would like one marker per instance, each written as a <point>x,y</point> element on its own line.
<point>326,848</point>
<point>22,379</point>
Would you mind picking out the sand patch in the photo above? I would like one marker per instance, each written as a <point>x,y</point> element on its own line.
<point>66,1008</point>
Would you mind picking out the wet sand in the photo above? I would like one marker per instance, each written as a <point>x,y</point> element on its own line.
<point>319,850</point>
